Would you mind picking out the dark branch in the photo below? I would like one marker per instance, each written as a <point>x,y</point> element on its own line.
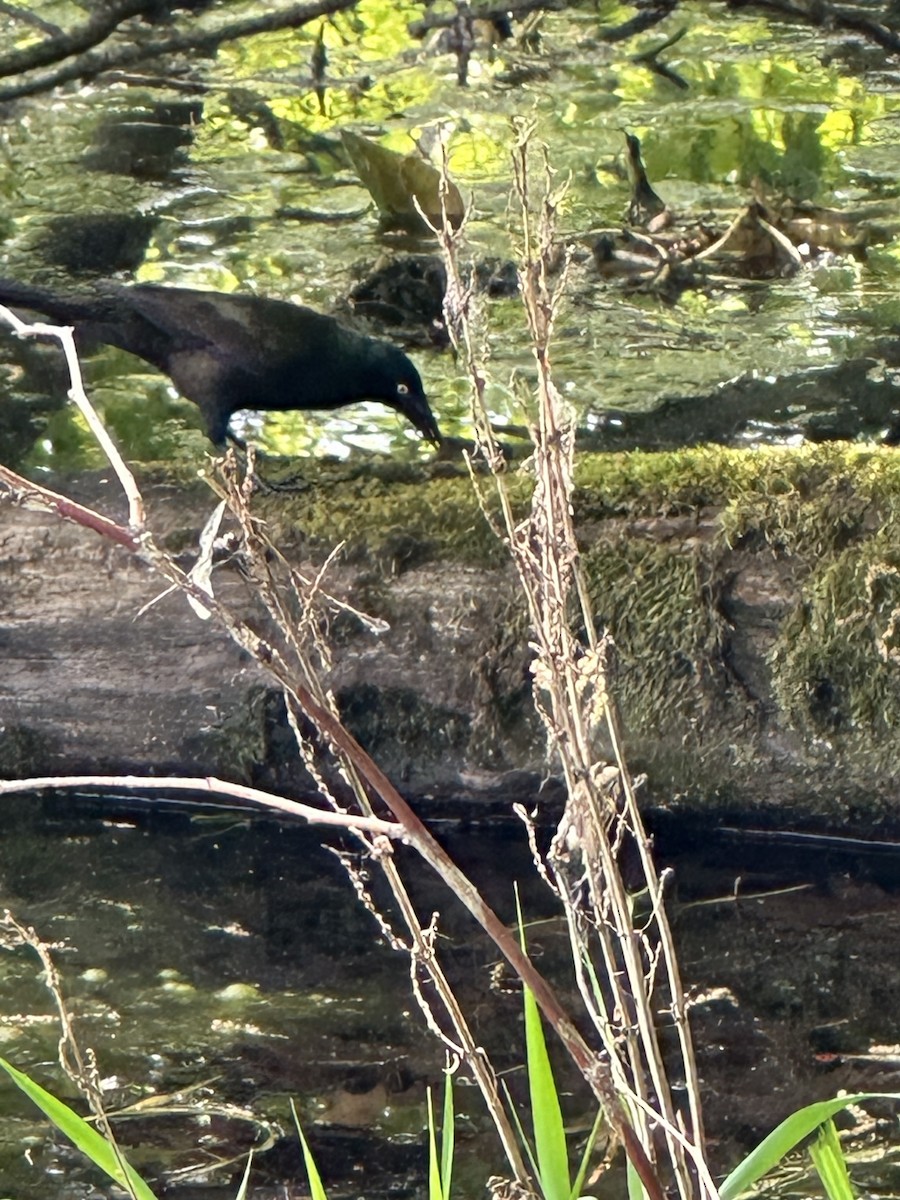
<point>824,14</point>
<point>642,21</point>
<point>63,45</point>
<point>27,17</point>
<point>90,65</point>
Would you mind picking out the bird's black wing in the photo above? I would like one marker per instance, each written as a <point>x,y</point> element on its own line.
<point>245,330</point>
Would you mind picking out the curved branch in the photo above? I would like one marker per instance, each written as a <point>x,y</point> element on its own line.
<point>90,65</point>
<point>64,44</point>
<point>27,17</point>
<point>215,787</point>
<point>826,15</point>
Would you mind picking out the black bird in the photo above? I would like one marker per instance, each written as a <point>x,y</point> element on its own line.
<point>645,205</point>
<point>227,352</point>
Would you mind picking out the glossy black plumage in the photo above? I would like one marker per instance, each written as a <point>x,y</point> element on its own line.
<point>228,352</point>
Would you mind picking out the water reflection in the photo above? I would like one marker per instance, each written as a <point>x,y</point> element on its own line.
<point>775,108</point>
<point>221,967</point>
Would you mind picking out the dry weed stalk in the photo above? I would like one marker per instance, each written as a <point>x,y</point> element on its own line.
<point>80,1066</point>
<point>297,613</point>
<point>572,678</point>
<point>622,947</point>
<point>293,656</point>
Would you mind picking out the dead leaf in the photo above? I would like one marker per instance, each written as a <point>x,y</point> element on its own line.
<point>399,182</point>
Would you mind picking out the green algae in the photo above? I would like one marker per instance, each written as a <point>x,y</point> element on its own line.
<point>834,510</point>
<point>659,607</point>
<point>777,490</point>
<point>837,660</point>
<point>398,522</point>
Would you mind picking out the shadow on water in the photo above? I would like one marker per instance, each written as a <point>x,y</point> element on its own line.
<point>228,961</point>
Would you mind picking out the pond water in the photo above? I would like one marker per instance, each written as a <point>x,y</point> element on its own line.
<point>220,967</point>
<point>229,958</point>
<point>201,951</point>
<point>193,190</point>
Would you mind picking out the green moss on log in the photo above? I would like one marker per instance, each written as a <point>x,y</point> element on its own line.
<point>397,519</point>
<point>658,604</point>
<point>834,510</point>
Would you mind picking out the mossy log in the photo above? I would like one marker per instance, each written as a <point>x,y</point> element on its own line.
<point>754,598</point>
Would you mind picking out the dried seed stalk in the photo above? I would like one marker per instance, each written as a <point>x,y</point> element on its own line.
<point>624,961</point>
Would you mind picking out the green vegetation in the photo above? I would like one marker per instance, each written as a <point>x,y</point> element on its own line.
<point>100,1150</point>
<point>550,1152</point>
<point>316,1188</point>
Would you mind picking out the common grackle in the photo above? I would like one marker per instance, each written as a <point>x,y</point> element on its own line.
<point>227,352</point>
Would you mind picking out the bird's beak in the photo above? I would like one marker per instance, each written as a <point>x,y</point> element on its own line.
<point>426,424</point>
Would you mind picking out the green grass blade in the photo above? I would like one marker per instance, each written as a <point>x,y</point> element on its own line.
<point>435,1191</point>
<point>316,1189</point>
<point>635,1187</point>
<point>546,1114</point>
<point>578,1185</point>
<point>448,1137</point>
<point>828,1159</point>
<point>786,1137</point>
<point>520,1131</point>
<point>595,982</point>
<point>82,1135</point>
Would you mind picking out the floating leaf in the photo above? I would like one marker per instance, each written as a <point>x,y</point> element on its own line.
<point>402,184</point>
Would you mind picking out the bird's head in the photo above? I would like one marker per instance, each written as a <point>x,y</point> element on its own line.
<point>407,395</point>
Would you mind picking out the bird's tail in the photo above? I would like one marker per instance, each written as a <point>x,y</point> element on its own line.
<point>56,307</point>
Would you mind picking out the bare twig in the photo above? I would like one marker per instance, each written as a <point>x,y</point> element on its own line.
<point>27,494</point>
<point>572,699</point>
<point>211,786</point>
<point>66,338</point>
<point>80,1066</point>
<point>304,692</point>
